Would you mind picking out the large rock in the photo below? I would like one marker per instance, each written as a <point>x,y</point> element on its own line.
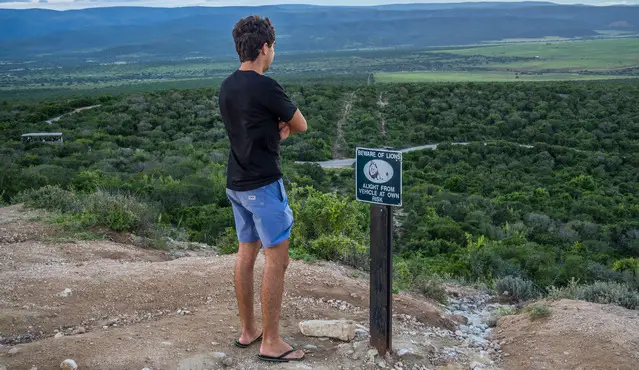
<point>68,364</point>
<point>339,329</point>
<point>302,366</point>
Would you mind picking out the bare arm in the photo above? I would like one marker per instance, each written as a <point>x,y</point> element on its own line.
<point>297,123</point>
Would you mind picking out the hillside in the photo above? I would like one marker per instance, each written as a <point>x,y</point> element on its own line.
<point>132,33</point>
<point>109,305</point>
<point>552,195</point>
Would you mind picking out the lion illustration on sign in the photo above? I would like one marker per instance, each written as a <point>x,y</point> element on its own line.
<point>378,171</point>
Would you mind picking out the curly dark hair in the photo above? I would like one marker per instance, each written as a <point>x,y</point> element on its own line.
<point>250,34</point>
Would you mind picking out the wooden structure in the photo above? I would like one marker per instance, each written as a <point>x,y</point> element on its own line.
<point>381,278</point>
<point>45,137</point>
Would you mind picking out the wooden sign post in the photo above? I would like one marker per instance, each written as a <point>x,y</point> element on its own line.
<point>378,180</point>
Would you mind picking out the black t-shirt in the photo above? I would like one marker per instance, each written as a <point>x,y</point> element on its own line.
<point>252,105</point>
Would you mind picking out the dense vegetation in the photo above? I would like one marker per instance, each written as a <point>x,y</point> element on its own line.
<point>546,190</point>
<point>546,213</point>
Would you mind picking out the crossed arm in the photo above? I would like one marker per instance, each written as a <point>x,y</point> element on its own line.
<point>295,125</point>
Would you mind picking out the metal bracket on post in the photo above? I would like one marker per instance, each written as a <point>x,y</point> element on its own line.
<point>381,263</point>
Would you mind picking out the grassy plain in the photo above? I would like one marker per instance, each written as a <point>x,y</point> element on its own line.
<point>484,76</point>
<point>591,55</point>
<point>545,60</point>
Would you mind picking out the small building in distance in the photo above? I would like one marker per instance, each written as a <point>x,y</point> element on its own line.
<point>45,137</point>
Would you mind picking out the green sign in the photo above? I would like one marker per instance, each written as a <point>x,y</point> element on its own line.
<point>378,176</point>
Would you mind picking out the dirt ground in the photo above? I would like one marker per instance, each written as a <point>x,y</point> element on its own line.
<point>114,306</point>
<point>130,308</point>
<point>577,335</point>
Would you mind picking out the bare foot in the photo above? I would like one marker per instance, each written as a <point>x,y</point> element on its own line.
<point>278,348</point>
<point>249,337</point>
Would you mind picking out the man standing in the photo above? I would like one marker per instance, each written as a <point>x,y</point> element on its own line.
<point>258,114</point>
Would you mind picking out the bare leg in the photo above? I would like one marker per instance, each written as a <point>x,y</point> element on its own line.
<point>244,264</point>
<point>277,260</point>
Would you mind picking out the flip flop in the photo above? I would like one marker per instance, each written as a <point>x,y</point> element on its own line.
<point>242,345</point>
<point>280,358</point>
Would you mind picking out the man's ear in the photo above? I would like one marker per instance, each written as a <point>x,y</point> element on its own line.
<point>265,48</point>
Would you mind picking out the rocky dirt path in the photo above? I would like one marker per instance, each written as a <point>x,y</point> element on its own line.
<point>381,103</point>
<point>55,119</point>
<point>340,142</point>
<point>115,306</point>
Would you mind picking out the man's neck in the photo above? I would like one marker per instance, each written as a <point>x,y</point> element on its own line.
<point>252,66</point>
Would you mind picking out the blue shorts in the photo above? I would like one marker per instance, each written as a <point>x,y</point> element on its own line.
<point>262,214</point>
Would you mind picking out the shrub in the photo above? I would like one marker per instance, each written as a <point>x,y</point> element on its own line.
<point>502,311</point>
<point>402,276</point>
<point>604,292</point>
<point>301,254</point>
<point>205,223</point>
<point>329,226</point>
<point>318,214</point>
<point>340,248</point>
<point>631,278</point>
<point>609,292</point>
<point>2,202</point>
<point>569,291</point>
<point>120,212</point>
<point>227,242</point>
<point>51,198</point>
<point>431,287</point>
<point>516,287</point>
<point>538,311</point>
<point>163,237</point>
<point>76,222</point>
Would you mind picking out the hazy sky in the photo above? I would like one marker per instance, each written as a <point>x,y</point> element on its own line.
<point>79,4</point>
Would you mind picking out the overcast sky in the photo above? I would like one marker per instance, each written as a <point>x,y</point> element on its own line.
<point>79,4</point>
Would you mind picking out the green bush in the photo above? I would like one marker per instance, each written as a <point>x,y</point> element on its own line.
<point>51,198</point>
<point>431,287</point>
<point>632,279</point>
<point>402,276</point>
<point>609,292</point>
<point>537,311</point>
<point>329,226</point>
<point>569,291</point>
<point>87,181</point>
<point>162,237</point>
<point>75,222</point>
<point>227,242</point>
<point>301,254</point>
<point>604,292</point>
<point>206,223</point>
<point>516,287</point>
<point>120,212</point>
<point>340,248</point>
<point>502,311</point>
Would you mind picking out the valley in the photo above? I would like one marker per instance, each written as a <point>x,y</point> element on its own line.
<point>518,234</point>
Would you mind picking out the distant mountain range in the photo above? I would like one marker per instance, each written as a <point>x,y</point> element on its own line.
<point>121,32</point>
